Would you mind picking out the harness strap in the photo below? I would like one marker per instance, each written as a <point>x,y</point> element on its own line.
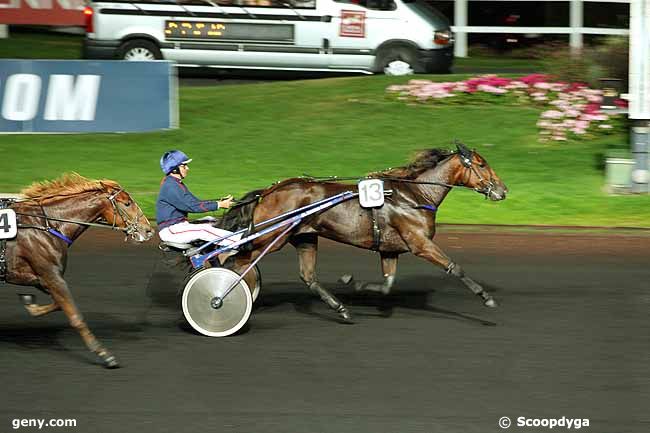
<point>3,261</point>
<point>4,203</point>
<point>60,235</point>
<point>81,223</point>
<point>48,228</point>
<point>376,231</point>
<point>430,207</point>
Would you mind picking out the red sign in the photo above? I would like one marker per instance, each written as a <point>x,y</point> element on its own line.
<point>42,12</point>
<point>353,24</point>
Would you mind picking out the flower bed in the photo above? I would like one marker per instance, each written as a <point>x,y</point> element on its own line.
<point>571,110</point>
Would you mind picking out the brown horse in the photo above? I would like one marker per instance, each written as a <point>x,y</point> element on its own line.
<point>405,223</point>
<point>50,217</point>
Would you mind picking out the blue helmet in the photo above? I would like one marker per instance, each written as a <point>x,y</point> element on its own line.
<point>172,159</point>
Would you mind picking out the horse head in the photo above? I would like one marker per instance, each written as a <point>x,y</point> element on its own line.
<point>122,212</point>
<point>474,172</point>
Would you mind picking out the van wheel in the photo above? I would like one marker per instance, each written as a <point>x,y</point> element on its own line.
<point>140,50</point>
<point>398,61</point>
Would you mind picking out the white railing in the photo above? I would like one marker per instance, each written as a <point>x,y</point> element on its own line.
<point>575,30</point>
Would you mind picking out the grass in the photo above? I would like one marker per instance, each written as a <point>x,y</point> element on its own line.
<point>35,45</point>
<point>249,136</point>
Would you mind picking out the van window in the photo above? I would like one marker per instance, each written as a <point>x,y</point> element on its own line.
<point>296,4</point>
<point>377,5</point>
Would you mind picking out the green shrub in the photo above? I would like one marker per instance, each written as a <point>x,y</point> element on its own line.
<point>606,59</point>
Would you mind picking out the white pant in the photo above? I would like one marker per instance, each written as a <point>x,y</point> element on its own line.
<point>184,233</point>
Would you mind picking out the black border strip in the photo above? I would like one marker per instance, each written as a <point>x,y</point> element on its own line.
<point>276,49</point>
<point>257,16</point>
<point>249,48</point>
<point>362,52</point>
<point>210,47</point>
<point>197,3</point>
<point>268,48</point>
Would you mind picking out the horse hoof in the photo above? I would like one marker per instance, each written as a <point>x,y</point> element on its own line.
<point>491,303</point>
<point>346,279</point>
<point>110,361</point>
<point>346,316</point>
<point>27,299</point>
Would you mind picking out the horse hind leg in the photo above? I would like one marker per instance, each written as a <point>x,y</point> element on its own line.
<point>307,247</point>
<point>389,269</point>
<point>61,295</point>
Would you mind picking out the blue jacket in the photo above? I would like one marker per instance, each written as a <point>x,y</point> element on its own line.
<point>175,201</point>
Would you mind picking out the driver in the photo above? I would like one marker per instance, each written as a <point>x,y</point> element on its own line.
<point>175,201</point>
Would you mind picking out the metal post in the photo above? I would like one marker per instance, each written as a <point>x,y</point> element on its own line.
<point>460,20</point>
<point>576,21</point>
<point>4,31</point>
<point>639,77</point>
<point>640,145</point>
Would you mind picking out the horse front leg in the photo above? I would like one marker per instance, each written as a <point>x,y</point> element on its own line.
<point>34,309</point>
<point>428,250</point>
<point>61,295</point>
<point>307,247</point>
<point>388,268</point>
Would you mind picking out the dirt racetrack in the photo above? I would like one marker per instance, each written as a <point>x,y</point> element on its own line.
<point>570,339</point>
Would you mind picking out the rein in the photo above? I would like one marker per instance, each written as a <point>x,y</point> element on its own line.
<point>131,224</point>
<point>81,223</point>
<point>389,178</point>
<point>466,161</point>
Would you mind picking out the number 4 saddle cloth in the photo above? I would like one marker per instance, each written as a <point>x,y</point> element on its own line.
<point>8,229</point>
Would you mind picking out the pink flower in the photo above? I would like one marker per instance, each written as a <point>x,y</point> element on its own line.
<point>621,103</point>
<point>552,114</point>
<point>542,85</point>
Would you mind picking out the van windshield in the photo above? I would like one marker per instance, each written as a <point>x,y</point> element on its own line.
<point>424,9</point>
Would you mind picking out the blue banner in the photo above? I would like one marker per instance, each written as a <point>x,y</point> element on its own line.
<point>87,96</point>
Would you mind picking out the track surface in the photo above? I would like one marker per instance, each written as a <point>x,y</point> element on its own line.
<point>571,338</point>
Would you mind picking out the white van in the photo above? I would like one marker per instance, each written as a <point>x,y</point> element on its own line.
<point>369,36</point>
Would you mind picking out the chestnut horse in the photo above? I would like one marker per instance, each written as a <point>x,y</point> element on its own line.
<point>50,217</point>
<point>405,223</point>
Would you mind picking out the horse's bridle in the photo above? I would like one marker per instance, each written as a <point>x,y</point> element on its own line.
<point>486,186</point>
<point>131,225</point>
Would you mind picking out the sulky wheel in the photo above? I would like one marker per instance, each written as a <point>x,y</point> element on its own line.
<point>256,274</point>
<point>253,278</point>
<point>206,308</point>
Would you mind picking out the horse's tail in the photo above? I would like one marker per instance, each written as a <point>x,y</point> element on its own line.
<point>241,214</point>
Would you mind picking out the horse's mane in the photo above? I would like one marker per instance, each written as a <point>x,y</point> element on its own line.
<point>240,216</point>
<point>423,160</point>
<point>67,184</point>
